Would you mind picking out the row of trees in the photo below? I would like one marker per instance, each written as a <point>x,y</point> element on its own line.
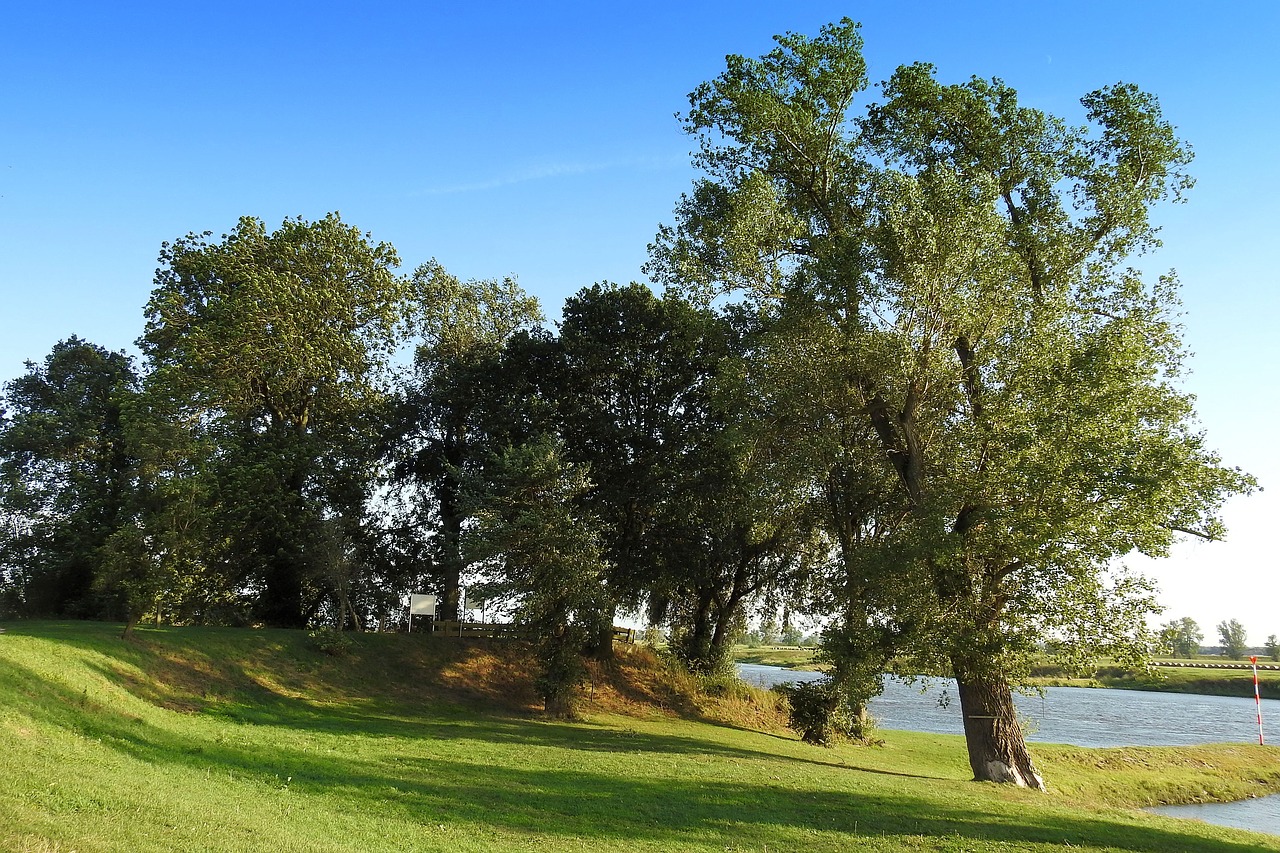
<point>1182,638</point>
<point>902,377</point>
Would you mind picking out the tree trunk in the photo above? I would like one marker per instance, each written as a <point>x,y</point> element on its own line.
<point>862,723</point>
<point>718,650</point>
<point>600,646</point>
<point>282,605</point>
<point>997,749</point>
<point>697,643</point>
<point>283,534</point>
<point>450,551</point>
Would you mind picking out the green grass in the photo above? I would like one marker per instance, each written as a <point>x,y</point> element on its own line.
<point>1201,679</point>
<point>799,659</point>
<point>202,739</point>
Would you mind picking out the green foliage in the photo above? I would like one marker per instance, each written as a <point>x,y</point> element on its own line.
<point>1231,633</point>
<point>960,353</point>
<point>1181,638</point>
<point>549,561</point>
<point>648,394</point>
<point>66,468</point>
<point>1273,647</point>
<point>460,406</point>
<point>823,714</point>
<point>272,350</point>
<point>331,642</point>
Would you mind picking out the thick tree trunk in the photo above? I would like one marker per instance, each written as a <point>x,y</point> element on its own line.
<point>861,722</point>
<point>997,749</point>
<point>282,604</point>
<point>697,645</point>
<point>283,533</point>
<point>718,650</point>
<point>450,551</point>
<point>451,569</point>
<point>600,646</point>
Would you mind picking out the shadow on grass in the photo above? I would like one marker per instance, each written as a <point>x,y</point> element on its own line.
<point>395,784</point>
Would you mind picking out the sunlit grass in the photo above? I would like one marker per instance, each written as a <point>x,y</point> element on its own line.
<point>236,740</point>
<point>799,659</point>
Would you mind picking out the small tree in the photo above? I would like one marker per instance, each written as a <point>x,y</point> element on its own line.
<point>822,713</point>
<point>1273,647</point>
<point>549,559</point>
<point>1181,638</point>
<point>1231,632</point>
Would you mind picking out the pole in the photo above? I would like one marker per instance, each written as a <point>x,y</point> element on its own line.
<point>1257,696</point>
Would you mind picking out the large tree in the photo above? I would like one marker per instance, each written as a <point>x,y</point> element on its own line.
<point>451,415</point>
<point>1018,380</point>
<point>275,345</point>
<point>66,472</point>
<point>650,398</point>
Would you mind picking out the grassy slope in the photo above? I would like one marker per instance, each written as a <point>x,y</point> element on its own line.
<point>1212,682</point>
<point>200,739</point>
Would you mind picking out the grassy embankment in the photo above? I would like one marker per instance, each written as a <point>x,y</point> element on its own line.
<point>1196,677</point>
<point>206,739</point>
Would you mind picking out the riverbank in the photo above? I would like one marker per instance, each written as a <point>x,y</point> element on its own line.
<point>221,739</point>
<point>1189,678</point>
<point>1197,676</point>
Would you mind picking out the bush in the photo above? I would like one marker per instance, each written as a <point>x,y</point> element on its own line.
<point>330,642</point>
<point>822,714</point>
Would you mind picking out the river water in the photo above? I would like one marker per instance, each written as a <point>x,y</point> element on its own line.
<point>1083,716</point>
<point>1094,717</point>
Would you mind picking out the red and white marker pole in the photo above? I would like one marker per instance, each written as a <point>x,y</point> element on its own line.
<point>1257,697</point>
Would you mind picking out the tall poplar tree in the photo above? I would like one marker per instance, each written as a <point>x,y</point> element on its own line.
<point>1018,381</point>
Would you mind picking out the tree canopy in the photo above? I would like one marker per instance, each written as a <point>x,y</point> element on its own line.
<point>968,258</point>
<point>277,343</point>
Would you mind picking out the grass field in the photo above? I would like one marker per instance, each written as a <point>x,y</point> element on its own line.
<point>222,739</point>
<point>787,658</point>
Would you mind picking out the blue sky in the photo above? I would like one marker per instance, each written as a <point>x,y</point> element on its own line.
<point>538,140</point>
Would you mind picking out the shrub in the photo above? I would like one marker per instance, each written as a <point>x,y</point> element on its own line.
<point>822,714</point>
<point>330,642</point>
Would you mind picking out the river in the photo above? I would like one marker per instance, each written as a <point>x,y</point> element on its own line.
<point>1085,716</point>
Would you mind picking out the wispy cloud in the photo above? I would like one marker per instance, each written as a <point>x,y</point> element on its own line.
<point>549,171</point>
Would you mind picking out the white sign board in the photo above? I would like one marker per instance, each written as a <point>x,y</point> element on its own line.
<point>422,605</point>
